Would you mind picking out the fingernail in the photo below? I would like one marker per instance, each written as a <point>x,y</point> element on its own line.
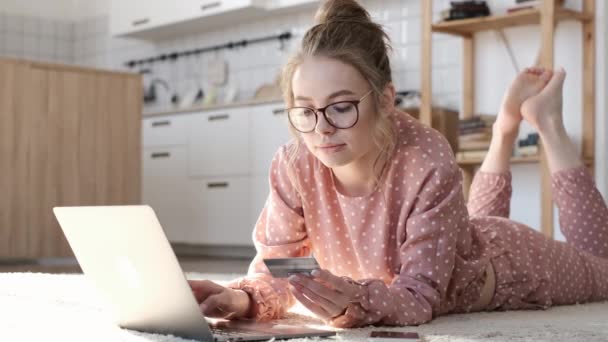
<point>316,273</point>
<point>293,278</point>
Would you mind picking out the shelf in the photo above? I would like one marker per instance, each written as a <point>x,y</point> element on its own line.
<point>514,160</point>
<point>466,27</point>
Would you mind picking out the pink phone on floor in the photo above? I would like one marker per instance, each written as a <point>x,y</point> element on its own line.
<point>393,336</point>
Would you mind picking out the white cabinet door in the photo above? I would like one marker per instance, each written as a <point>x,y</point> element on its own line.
<point>220,210</point>
<point>135,15</point>
<point>192,9</point>
<point>165,130</point>
<point>269,131</point>
<point>219,143</point>
<point>289,4</point>
<point>165,188</point>
<point>163,19</point>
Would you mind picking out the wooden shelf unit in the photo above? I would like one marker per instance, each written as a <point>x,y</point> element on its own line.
<point>467,27</point>
<point>467,162</point>
<point>546,15</point>
<point>514,160</point>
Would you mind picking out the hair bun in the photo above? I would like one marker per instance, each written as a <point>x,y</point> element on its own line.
<point>341,10</point>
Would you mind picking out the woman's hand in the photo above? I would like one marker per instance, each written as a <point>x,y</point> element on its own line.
<point>324,294</point>
<point>218,301</point>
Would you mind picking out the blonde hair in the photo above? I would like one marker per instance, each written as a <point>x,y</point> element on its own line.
<point>344,31</point>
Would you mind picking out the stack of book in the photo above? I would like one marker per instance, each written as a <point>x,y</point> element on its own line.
<point>465,10</point>
<point>528,146</point>
<point>474,136</point>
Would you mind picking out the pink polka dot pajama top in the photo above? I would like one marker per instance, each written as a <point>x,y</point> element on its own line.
<point>414,247</point>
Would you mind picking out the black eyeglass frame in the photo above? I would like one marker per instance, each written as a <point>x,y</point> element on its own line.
<point>323,109</point>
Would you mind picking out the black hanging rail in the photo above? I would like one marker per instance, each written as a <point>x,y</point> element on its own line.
<point>230,45</point>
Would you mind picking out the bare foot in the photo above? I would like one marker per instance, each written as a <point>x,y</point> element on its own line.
<point>528,83</point>
<point>544,111</point>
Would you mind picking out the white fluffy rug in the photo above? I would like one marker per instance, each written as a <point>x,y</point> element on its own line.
<point>44,307</point>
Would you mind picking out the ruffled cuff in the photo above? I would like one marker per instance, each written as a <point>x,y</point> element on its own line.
<point>495,179</point>
<point>367,307</point>
<point>266,303</point>
<point>576,175</point>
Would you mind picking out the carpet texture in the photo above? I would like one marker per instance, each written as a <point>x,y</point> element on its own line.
<point>45,307</point>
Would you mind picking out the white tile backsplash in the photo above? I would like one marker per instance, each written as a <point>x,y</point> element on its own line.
<point>14,23</point>
<point>88,42</point>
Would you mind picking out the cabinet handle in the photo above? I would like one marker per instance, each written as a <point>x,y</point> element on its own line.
<point>278,111</point>
<point>210,5</point>
<point>217,185</point>
<point>141,21</point>
<point>160,155</point>
<point>161,123</point>
<point>219,117</point>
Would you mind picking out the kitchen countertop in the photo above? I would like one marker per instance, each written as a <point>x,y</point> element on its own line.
<point>169,111</point>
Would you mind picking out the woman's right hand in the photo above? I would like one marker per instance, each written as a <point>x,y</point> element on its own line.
<point>220,302</point>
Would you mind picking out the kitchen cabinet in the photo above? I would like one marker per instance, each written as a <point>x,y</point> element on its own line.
<point>209,180</point>
<point>165,131</point>
<point>136,15</point>
<point>220,208</point>
<point>165,172</point>
<point>69,136</point>
<point>165,19</point>
<point>291,4</point>
<point>218,143</point>
<point>269,130</point>
<point>165,187</point>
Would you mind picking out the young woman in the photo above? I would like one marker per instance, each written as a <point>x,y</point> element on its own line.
<point>377,197</point>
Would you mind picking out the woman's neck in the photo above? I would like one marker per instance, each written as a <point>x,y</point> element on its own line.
<point>359,177</point>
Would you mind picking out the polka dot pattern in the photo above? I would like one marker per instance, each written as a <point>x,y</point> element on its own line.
<point>532,271</point>
<point>414,246</point>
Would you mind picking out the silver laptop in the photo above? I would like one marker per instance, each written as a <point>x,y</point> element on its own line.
<point>125,253</point>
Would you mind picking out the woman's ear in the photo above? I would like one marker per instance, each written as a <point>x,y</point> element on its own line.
<point>387,102</point>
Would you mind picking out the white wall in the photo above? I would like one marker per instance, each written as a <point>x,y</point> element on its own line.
<point>53,9</point>
<point>83,9</point>
<point>73,10</point>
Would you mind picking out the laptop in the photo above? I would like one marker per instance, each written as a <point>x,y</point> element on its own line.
<point>123,250</point>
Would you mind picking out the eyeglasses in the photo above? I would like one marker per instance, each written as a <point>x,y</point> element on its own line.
<point>341,115</point>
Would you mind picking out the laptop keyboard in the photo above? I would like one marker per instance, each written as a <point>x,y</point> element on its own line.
<point>232,332</point>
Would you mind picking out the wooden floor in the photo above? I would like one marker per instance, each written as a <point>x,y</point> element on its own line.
<point>189,264</point>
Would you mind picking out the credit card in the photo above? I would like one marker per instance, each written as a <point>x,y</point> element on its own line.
<point>284,267</point>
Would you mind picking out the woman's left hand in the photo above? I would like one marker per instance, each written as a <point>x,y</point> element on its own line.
<point>323,293</point>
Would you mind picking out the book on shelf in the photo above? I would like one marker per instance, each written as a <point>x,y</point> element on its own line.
<point>473,145</point>
<point>475,136</point>
<point>477,121</point>
<point>527,151</point>
<point>479,155</point>
<point>473,130</point>
<point>465,10</point>
<point>464,125</point>
<point>471,155</point>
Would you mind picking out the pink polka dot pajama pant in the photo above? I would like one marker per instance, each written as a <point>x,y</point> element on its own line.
<point>533,271</point>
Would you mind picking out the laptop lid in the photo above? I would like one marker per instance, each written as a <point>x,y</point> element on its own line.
<point>125,253</point>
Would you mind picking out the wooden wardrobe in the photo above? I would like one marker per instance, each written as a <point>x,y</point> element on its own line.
<point>68,136</point>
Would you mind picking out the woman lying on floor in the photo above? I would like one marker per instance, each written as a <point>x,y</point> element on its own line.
<point>377,197</point>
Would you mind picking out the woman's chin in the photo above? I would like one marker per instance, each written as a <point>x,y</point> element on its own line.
<point>334,160</point>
